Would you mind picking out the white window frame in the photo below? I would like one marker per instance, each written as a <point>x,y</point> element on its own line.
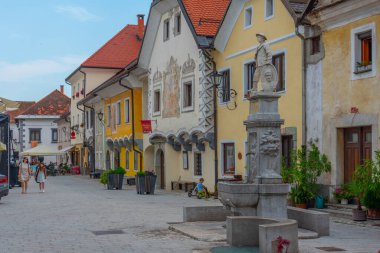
<point>252,60</point>
<point>184,81</point>
<point>265,10</point>
<point>221,161</point>
<point>354,32</point>
<point>118,113</point>
<point>127,114</point>
<point>194,153</point>
<point>247,26</point>
<point>157,113</point>
<point>166,21</point>
<point>220,100</point>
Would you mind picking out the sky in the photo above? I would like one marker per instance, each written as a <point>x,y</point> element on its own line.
<point>43,41</point>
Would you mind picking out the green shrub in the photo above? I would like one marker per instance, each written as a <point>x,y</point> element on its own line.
<point>371,199</point>
<point>118,170</point>
<point>104,177</point>
<point>140,173</point>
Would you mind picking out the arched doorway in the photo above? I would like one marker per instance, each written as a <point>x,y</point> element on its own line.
<point>160,168</point>
<point>108,160</point>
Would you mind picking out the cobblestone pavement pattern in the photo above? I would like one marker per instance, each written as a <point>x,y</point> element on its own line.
<point>64,218</point>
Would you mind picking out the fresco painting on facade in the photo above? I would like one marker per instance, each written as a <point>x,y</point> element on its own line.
<point>171,91</point>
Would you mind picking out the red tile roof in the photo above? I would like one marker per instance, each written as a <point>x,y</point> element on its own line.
<point>206,16</point>
<point>23,106</point>
<point>56,103</point>
<point>118,52</point>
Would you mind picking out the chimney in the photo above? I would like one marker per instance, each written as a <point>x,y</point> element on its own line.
<point>140,25</point>
<point>62,89</point>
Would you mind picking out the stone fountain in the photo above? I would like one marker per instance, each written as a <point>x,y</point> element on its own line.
<point>263,194</point>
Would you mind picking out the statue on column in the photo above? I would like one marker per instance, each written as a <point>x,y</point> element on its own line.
<point>265,71</point>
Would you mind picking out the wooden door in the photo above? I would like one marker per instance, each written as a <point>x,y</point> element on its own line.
<point>357,149</point>
<point>162,165</point>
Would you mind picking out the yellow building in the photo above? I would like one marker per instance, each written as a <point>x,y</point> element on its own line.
<point>122,129</point>
<point>346,85</point>
<point>236,45</point>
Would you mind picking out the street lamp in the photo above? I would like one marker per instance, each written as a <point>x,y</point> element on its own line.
<point>100,115</point>
<point>223,92</point>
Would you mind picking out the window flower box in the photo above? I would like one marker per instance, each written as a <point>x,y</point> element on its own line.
<point>363,67</point>
<point>77,94</point>
<point>82,92</point>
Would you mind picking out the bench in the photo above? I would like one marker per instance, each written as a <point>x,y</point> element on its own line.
<point>96,174</point>
<point>183,185</point>
<point>131,181</point>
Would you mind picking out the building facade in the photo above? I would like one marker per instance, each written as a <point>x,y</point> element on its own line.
<point>176,52</point>
<point>344,84</point>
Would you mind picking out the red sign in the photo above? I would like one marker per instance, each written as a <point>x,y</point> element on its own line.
<point>146,126</point>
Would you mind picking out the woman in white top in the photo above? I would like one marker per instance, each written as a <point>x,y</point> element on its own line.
<point>41,176</point>
<point>24,174</point>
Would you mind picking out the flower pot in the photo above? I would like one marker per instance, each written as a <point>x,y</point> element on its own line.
<point>344,201</point>
<point>373,214</point>
<point>115,181</point>
<point>150,183</point>
<point>303,205</point>
<point>359,215</point>
<point>319,202</point>
<point>140,184</point>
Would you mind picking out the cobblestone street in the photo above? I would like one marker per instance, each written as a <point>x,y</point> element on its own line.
<point>67,217</point>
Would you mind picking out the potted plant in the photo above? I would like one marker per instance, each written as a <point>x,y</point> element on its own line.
<point>104,177</point>
<point>342,194</point>
<point>140,182</point>
<point>305,168</point>
<point>150,182</point>
<point>360,181</point>
<point>371,198</point>
<point>115,178</point>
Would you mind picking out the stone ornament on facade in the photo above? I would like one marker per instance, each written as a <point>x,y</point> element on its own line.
<point>188,66</point>
<point>265,71</point>
<point>171,91</point>
<point>270,144</point>
<point>157,77</point>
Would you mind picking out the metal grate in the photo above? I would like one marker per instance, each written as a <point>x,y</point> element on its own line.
<point>330,249</point>
<point>108,232</point>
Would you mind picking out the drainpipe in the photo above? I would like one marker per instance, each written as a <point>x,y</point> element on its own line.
<point>215,136</point>
<point>133,121</point>
<point>304,86</point>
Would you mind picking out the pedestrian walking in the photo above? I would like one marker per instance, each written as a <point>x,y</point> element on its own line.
<point>24,174</point>
<point>41,176</point>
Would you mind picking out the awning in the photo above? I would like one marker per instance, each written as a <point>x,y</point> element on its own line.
<point>66,149</point>
<point>3,147</point>
<point>42,151</point>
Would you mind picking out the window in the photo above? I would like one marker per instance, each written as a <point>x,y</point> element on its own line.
<point>226,86</point>
<point>126,110</point>
<point>248,17</point>
<point>157,102</point>
<point>315,45</point>
<point>166,29</point>
<point>185,160</point>
<point>249,71</point>
<point>363,48</point>
<point>279,62</point>
<point>269,8</point>
<point>135,161</point>
<point>54,135</point>
<point>177,24</point>
<point>118,113</point>
<point>127,160</point>
<point>35,134</point>
<point>197,164</point>
<point>228,155</point>
<point>188,94</point>
<point>108,115</point>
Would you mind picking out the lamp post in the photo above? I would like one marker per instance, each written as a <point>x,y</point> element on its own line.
<point>224,92</point>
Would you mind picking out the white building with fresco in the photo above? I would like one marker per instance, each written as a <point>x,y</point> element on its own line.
<point>180,93</point>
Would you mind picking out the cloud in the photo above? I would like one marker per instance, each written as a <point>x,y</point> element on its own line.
<point>24,71</point>
<point>77,12</point>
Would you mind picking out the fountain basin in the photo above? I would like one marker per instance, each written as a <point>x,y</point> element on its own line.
<point>240,198</point>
